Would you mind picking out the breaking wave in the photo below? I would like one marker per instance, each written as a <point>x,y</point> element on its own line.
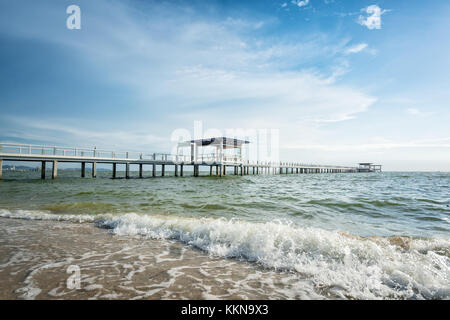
<point>348,266</point>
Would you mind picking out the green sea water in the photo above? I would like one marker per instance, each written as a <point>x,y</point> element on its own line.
<point>365,204</point>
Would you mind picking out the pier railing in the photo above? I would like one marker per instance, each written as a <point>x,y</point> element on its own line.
<point>29,149</point>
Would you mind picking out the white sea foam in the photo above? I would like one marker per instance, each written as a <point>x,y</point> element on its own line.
<point>48,216</point>
<point>339,264</point>
<point>345,265</point>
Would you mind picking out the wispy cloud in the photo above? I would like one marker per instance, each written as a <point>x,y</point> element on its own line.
<point>182,63</point>
<point>61,132</point>
<point>423,143</point>
<point>356,48</point>
<point>187,67</point>
<point>417,112</point>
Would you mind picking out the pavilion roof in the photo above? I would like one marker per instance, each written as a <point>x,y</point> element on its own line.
<point>226,142</point>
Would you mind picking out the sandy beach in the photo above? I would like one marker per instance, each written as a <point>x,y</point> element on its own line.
<point>35,257</point>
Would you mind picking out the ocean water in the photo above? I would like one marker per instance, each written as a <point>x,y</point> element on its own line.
<point>340,236</point>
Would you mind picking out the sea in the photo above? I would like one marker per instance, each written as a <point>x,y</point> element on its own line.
<point>291,236</point>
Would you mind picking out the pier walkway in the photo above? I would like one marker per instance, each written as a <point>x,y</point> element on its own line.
<point>219,166</point>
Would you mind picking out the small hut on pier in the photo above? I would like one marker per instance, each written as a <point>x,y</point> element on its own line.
<point>369,167</point>
<point>219,149</point>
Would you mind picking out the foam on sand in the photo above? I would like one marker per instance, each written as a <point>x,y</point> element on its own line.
<point>345,265</point>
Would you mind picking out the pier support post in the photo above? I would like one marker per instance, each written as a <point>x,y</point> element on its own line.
<point>210,170</point>
<point>253,169</point>
<point>217,170</point>
<point>242,170</point>
<point>83,169</point>
<point>114,173</point>
<point>127,171</point>
<point>224,169</point>
<point>141,173</point>
<point>43,170</point>
<point>94,169</point>
<point>1,169</point>
<point>176,170</point>
<point>220,170</point>
<point>181,170</point>
<point>154,170</point>
<point>55,169</point>
<point>163,170</point>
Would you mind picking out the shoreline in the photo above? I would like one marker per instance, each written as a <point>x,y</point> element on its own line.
<point>36,257</point>
<point>116,267</point>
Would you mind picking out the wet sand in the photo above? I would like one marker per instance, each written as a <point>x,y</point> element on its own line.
<point>35,257</point>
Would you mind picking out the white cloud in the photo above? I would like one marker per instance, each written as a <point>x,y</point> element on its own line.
<point>302,95</point>
<point>356,48</point>
<point>300,3</point>
<point>373,19</point>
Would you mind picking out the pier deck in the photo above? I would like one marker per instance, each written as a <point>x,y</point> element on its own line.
<point>54,155</point>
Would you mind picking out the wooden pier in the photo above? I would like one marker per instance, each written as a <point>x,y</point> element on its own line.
<point>218,164</point>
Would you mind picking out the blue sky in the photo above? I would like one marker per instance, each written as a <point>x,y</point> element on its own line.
<point>343,81</point>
